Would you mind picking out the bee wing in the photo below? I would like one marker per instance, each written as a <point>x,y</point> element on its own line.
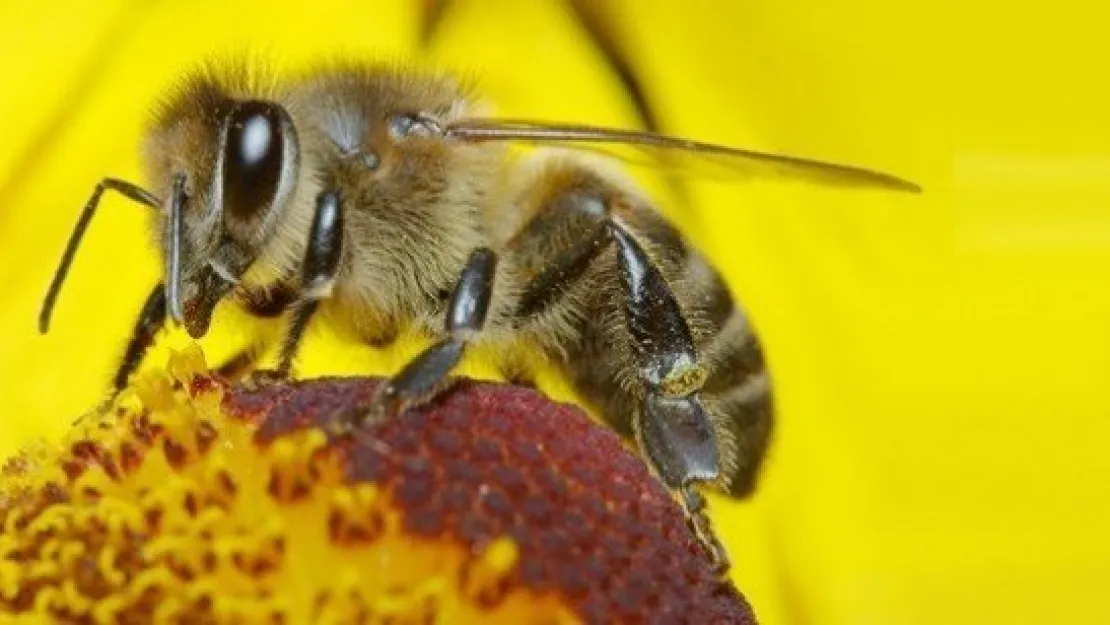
<point>695,157</point>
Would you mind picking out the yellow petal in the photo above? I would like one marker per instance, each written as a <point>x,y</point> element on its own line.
<point>941,359</point>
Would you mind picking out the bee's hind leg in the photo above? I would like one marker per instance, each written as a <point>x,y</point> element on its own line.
<point>429,373</point>
<point>673,428</point>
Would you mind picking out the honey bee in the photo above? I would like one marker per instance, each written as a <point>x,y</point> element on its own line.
<point>387,198</point>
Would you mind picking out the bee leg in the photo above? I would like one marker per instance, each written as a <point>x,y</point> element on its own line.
<point>680,443</point>
<point>551,283</point>
<point>697,519</point>
<point>290,344</point>
<point>427,375</point>
<point>151,319</point>
<point>672,427</point>
<point>318,271</point>
<point>265,303</point>
<point>132,192</point>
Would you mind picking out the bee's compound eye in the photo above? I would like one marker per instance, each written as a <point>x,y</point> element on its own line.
<point>252,158</point>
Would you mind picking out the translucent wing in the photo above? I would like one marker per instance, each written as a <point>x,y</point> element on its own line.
<point>695,157</point>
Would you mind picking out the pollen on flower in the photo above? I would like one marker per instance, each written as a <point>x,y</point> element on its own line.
<point>190,499</point>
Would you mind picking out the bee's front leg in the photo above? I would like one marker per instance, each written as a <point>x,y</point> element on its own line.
<point>318,272</point>
<point>151,319</point>
<point>428,374</point>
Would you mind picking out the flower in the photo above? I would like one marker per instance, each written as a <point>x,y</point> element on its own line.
<point>192,500</point>
<point>939,360</point>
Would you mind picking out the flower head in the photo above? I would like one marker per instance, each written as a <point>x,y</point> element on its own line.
<point>191,499</point>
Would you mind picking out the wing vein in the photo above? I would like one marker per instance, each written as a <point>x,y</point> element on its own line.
<point>665,150</point>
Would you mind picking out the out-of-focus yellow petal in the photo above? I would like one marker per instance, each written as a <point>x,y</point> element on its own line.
<point>558,71</point>
<point>835,280</point>
<point>941,360</point>
<point>87,30</point>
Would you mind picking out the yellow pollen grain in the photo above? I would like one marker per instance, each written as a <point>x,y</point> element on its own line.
<point>153,579</point>
<point>187,363</point>
<point>120,517</point>
<point>106,564</point>
<point>50,521</point>
<point>50,548</point>
<point>155,392</point>
<point>107,610</point>
<point>499,557</point>
<point>47,599</point>
<point>294,470</point>
<point>43,570</point>
<point>169,610</point>
<point>683,379</point>
<point>72,598</point>
<point>418,604</point>
<point>70,553</point>
<point>10,577</point>
<point>8,545</point>
<point>489,572</point>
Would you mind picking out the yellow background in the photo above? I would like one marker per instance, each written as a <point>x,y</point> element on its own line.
<point>941,360</point>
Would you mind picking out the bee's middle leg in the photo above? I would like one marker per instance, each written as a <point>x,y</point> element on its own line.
<point>318,272</point>
<point>428,374</point>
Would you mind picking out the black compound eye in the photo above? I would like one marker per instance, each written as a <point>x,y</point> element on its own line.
<point>253,158</point>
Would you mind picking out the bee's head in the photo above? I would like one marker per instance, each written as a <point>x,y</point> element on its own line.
<point>228,186</point>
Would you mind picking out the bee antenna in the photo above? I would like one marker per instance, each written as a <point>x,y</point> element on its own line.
<point>128,190</point>
<point>432,123</point>
<point>173,249</point>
